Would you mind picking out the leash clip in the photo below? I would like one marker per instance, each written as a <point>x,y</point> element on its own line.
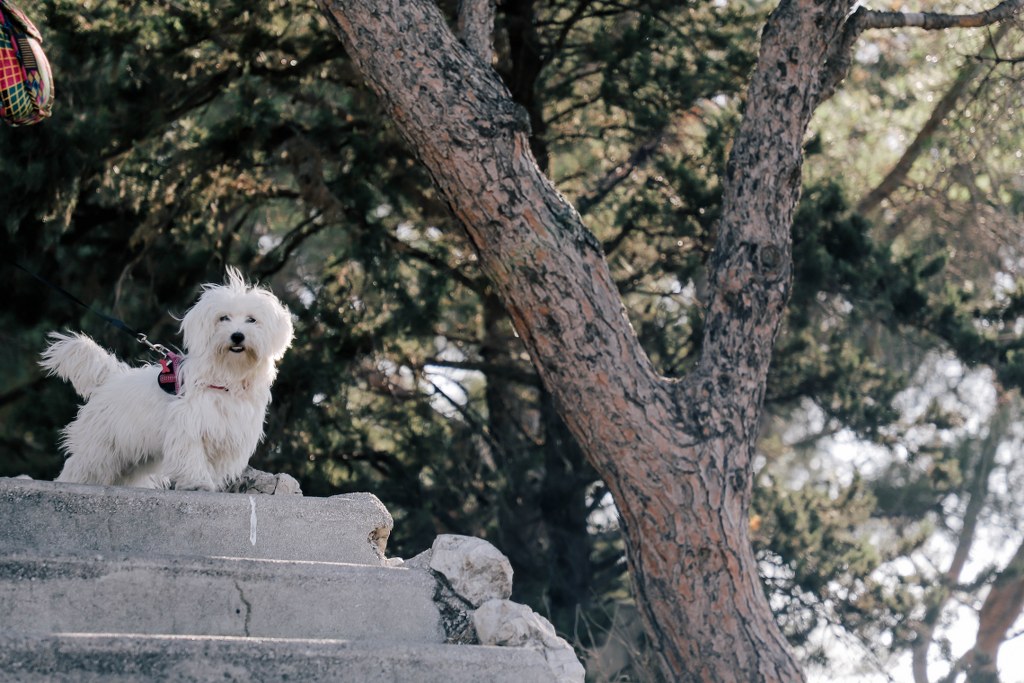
<point>159,348</point>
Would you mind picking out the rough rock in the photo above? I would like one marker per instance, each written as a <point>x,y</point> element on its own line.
<point>472,573</point>
<point>475,569</point>
<point>454,609</point>
<point>256,481</point>
<point>421,561</point>
<point>503,622</point>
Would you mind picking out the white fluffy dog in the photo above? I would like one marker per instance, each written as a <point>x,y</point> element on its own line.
<point>132,432</point>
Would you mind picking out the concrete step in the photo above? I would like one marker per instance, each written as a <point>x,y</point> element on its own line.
<point>218,596</point>
<point>120,584</point>
<point>66,519</point>
<point>113,658</point>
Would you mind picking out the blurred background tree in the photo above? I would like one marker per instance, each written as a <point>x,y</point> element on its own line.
<point>190,135</point>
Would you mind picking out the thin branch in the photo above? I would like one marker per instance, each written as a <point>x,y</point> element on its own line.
<point>838,59</point>
<point>502,370</point>
<point>437,263</point>
<point>308,169</point>
<point>977,493</point>
<point>866,19</point>
<point>1002,60</point>
<point>305,229</point>
<point>471,418</point>
<point>898,174</point>
<point>577,15</point>
<point>614,177</point>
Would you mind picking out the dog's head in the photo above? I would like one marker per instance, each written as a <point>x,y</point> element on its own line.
<point>238,323</point>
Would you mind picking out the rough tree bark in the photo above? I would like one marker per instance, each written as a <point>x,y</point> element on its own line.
<point>1000,610</point>
<point>676,455</point>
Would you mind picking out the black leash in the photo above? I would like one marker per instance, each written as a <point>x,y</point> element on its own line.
<point>119,324</point>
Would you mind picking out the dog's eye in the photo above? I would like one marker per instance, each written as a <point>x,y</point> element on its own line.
<point>225,318</point>
<point>250,319</point>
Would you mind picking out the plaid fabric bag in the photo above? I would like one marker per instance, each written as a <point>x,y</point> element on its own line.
<point>26,84</point>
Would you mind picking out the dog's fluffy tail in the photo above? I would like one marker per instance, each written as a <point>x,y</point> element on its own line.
<point>78,359</point>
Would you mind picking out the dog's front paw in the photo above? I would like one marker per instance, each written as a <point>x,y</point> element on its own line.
<point>190,485</point>
<point>159,483</point>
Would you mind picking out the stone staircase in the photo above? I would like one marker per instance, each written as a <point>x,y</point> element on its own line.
<point>121,584</point>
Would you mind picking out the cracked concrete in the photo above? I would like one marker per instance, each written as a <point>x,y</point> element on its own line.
<point>188,595</point>
<point>248,608</point>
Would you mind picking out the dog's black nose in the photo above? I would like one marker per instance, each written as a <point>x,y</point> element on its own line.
<point>238,337</point>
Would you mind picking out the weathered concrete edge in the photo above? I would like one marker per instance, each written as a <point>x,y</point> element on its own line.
<point>218,596</point>
<point>101,519</point>
<point>130,657</point>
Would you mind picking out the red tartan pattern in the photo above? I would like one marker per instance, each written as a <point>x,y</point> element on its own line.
<point>26,91</point>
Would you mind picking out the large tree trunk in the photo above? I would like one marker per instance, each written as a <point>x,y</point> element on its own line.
<point>675,454</point>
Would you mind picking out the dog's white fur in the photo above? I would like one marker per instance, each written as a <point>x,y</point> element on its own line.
<point>131,432</point>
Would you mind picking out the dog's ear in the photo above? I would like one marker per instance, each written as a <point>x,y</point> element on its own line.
<point>283,331</point>
<point>197,327</point>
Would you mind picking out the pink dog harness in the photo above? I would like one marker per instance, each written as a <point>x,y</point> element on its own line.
<point>169,378</point>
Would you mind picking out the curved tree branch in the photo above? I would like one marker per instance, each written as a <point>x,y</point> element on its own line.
<point>607,183</point>
<point>865,19</point>
<point>1002,606</point>
<point>977,492</point>
<point>898,173</point>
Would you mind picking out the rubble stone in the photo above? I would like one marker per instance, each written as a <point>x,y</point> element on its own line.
<point>256,481</point>
<point>475,569</point>
<point>503,622</point>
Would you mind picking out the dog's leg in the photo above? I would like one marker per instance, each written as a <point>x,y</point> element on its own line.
<point>182,477</point>
<point>185,465</point>
<point>92,456</point>
<point>87,468</point>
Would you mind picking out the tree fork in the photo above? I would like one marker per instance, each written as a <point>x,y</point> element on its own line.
<point>676,455</point>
